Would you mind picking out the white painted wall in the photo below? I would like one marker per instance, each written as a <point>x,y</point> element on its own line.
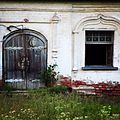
<point>66,39</point>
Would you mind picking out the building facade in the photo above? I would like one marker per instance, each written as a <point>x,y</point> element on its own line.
<point>83,39</point>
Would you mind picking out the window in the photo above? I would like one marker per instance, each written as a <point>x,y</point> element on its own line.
<point>99,50</point>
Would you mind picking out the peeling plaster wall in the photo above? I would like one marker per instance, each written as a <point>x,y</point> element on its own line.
<point>91,19</point>
<point>66,47</point>
<point>40,17</point>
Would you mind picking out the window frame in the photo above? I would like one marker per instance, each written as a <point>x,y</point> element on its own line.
<point>100,67</point>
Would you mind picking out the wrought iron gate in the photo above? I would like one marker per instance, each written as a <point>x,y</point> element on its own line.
<point>24,56</point>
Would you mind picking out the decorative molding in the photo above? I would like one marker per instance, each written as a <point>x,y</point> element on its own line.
<point>54,22</point>
<point>13,21</point>
<point>3,25</point>
<point>54,55</point>
<point>75,32</point>
<point>55,18</point>
<point>37,9</point>
<point>91,22</point>
<point>75,69</point>
<point>95,20</point>
<point>54,50</point>
<point>96,7</point>
<point>72,8</point>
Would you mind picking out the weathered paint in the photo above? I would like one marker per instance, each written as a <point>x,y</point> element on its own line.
<point>66,34</point>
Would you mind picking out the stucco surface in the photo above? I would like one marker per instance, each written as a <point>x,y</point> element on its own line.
<point>66,35</point>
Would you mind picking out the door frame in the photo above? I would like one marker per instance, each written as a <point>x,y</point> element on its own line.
<point>12,34</point>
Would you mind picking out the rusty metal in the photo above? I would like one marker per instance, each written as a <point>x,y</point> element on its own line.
<point>24,56</point>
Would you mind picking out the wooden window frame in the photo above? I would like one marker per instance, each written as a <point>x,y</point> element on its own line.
<point>108,43</point>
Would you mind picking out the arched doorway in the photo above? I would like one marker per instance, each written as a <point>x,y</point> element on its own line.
<point>24,56</point>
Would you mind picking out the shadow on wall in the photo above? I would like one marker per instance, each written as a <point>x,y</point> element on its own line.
<point>1,83</point>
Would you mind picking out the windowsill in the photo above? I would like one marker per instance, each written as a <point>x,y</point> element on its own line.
<point>99,67</point>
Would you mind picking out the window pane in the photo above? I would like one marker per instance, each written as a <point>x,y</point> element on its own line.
<point>98,48</point>
<point>95,54</point>
<point>102,33</point>
<point>88,33</point>
<point>108,39</point>
<point>89,39</point>
<point>95,34</point>
<point>95,38</point>
<point>102,38</point>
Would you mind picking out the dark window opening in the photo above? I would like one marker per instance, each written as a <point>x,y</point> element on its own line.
<point>98,54</point>
<point>99,50</point>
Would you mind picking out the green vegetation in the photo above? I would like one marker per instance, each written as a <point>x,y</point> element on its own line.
<point>43,104</point>
<point>49,75</point>
<point>58,89</point>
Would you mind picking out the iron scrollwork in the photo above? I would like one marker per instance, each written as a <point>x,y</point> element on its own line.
<point>24,63</point>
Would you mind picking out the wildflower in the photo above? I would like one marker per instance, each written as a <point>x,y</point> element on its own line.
<point>67,118</point>
<point>12,117</point>
<point>76,118</point>
<point>81,117</point>
<point>28,109</point>
<point>13,111</point>
<point>68,113</point>
<point>38,118</point>
<point>86,117</point>
<point>63,114</point>
<point>116,115</point>
<point>6,116</point>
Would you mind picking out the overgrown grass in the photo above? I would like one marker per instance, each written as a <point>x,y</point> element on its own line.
<point>43,105</point>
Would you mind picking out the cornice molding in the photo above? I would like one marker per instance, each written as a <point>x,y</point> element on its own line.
<point>70,8</point>
<point>102,5</point>
<point>96,7</point>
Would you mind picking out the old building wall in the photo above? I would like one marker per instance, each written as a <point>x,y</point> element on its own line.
<point>64,27</point>
<point>95,17</point>
<point>51,20</point>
